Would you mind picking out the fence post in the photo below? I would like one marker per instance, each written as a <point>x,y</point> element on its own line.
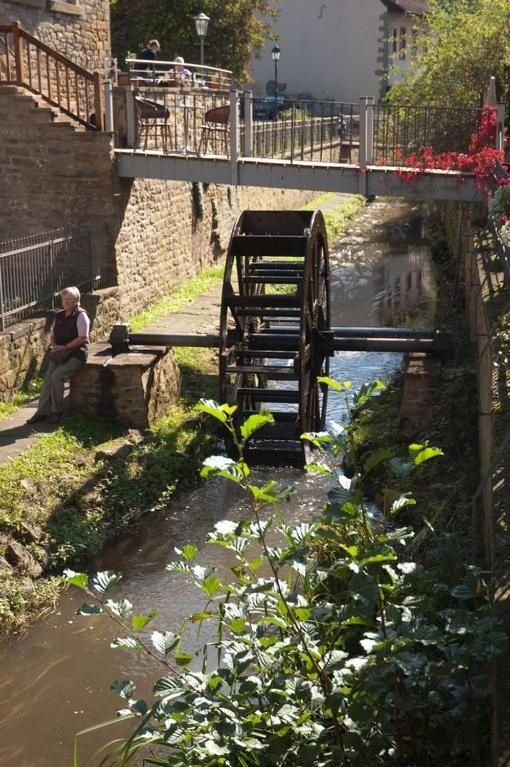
<point>130,117</point>
<point>363,148</point>
<point>108,107</point>
<point>98,101</point>
<point>2,307</point>
<point>369,158</point>
<point>18,52</point>
<point>248,123</point>
<point>500,127</point>
<point>234,135</point>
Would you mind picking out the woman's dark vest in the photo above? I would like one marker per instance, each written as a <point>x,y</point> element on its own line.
<point>65,329</point>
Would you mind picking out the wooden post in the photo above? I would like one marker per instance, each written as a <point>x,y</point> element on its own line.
<point>108,107</point>
<point>98,101</point>
<point>234,135</point>
<point>18,52</point>
<point>248,123</point>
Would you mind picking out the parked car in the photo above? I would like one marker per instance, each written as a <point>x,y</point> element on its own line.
<point>266,108</point>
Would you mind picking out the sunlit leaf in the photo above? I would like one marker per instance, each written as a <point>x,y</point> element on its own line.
<point>164,641</point>
<point>139,621</point>
<point>124,687</point>
<point>376,457</point>
<point>104,580</point>
<point>80,580</point>
<point>255,422</point>
<point>127,643</point>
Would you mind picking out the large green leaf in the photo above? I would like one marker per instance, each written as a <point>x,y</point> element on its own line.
<point>255,422</point>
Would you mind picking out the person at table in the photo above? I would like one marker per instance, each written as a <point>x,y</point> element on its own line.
<point>181,73</point>
<point>149,53</point>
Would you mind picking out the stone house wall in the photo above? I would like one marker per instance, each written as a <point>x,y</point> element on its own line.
<point>79,29</point>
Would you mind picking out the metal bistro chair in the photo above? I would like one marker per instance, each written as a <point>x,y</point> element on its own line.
<point>153,117</point>
<point>217,124</point>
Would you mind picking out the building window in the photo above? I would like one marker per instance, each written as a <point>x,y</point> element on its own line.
<point>402,43</point>
<point>395,42</point>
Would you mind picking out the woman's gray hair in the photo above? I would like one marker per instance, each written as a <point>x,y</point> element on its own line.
<point>72,291</point>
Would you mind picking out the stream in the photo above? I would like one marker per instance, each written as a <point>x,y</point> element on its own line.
<point>56,679</point>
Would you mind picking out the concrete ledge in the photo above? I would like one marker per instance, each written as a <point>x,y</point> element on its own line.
<point>69,8</point>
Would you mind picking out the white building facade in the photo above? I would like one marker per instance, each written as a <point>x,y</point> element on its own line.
<point>338,49</point>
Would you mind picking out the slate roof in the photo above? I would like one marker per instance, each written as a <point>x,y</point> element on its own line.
<point>407,6</point>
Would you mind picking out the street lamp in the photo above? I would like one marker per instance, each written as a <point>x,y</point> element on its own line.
<point>275,53</point>
<point>201,23</point>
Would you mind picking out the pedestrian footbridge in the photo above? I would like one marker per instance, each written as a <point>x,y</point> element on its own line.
<point>365,148</point>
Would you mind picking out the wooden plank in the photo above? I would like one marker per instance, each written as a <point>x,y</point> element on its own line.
<point>271,245</point>
<point>269,395</point>
<point>273,372</point>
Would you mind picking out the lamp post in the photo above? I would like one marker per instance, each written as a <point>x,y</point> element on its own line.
<point>275,53</point>
<point>201,24</point>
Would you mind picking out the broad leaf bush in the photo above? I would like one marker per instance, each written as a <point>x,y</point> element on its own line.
<point>333,646</point>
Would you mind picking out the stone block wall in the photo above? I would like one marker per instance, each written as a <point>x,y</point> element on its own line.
<point>52,174</point>
<point>164,239</point>
<point>79,29</point>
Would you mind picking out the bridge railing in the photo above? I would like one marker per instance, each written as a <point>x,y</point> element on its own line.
<point>178,74</point>
<point>225,125</point>
<point>400,131</point>
<point>303,130</point>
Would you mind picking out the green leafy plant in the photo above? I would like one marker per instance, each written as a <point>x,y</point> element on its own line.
<point>332,646</point>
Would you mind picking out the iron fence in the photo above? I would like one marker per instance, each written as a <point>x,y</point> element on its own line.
<point>308,131</point>
<point>400,131</point>
<point>34,269</point>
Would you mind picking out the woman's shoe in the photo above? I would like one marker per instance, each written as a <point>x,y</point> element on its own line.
<point>37,417</point>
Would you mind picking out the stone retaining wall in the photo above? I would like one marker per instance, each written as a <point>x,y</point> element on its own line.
<point>79,29</point>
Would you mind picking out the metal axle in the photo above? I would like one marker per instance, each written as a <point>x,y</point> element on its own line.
<point>287,338</point>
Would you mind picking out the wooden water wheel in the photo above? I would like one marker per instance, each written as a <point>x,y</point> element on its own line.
<point>275,311</point>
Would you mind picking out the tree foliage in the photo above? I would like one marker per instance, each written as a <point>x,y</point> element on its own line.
<point>238,30</point>
<point>468,41</point>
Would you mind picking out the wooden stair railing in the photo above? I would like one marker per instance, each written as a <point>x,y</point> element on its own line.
<point>26,61</point>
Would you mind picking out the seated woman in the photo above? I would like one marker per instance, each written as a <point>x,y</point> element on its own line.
<point>69,342</point>
<point>181,73</point>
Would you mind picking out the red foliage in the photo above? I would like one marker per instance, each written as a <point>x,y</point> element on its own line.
<point>481,159</point>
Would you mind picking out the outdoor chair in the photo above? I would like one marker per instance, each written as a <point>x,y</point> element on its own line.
<point>216,130</point>
<point>153,125</point>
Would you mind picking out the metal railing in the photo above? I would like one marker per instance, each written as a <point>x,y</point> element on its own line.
<point>304,130</point>
<point>400,131</point>
<point>34,269</point>
<point>26,61</point>
<point>336,133</point>
<point>178,74</point>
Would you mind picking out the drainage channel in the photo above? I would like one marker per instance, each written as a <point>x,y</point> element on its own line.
<point>56,680</point>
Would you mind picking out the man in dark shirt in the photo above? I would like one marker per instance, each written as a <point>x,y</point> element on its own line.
<point>150,53</point>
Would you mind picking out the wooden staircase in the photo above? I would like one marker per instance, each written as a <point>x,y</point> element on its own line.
<point>72,94</point>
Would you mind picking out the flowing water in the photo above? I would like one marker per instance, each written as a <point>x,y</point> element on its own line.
<point>56,680</point>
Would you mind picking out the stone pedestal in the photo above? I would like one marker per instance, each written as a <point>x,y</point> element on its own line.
<point>134,389</point>
<point>418,400</point>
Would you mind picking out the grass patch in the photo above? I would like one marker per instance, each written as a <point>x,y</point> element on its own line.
<point>341,215</point>
<point>179,299</point>
<point>79,500</point>
<point>20,399</point>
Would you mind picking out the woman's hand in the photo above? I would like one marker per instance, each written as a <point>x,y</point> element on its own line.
<point>57,347</point>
